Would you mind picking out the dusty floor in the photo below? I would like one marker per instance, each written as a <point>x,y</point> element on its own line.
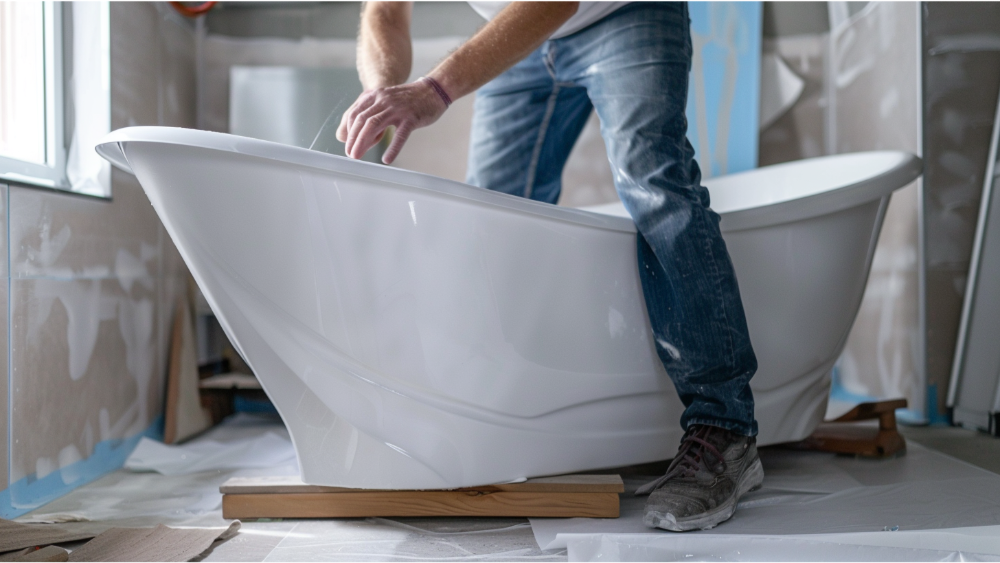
<point>141,499</point>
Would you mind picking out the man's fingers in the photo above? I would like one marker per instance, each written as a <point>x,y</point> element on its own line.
<point>398,140</point>
<point>362,103</point>
<point>359,123</point>
<point>342,128</point>
<point>370,131</point>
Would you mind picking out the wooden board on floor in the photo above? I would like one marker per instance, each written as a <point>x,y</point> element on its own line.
<point>570,496</point>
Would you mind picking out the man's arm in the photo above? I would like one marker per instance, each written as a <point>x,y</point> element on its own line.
<point>385,54</point>
<point>512,35</point>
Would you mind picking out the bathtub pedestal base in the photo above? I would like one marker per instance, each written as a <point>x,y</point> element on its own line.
<point>846,436</point>
<point>569,496</point>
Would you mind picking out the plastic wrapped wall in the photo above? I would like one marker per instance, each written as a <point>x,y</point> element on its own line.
<point>874,96</point>
<point>861,91</point>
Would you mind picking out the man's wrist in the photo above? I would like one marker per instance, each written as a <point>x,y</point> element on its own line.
<point>437,88</point>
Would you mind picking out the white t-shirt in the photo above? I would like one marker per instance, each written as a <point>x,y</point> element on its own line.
<point>586,14</point>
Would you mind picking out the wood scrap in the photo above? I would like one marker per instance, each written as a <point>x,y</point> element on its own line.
<point>586,496</point>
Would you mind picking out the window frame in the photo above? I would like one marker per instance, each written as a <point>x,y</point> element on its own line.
<point>52,174</point>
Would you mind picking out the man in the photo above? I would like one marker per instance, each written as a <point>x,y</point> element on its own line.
<point>540,68</point>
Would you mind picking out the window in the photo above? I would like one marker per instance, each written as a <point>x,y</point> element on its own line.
<point>22,100</point>
<point>54,57</point>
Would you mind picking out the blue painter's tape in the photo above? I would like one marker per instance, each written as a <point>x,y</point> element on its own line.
<point>30,493</point>
<point>933,416</point>
<point>840,393</point>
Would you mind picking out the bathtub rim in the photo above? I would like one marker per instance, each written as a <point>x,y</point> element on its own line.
<point>907,169</point>
<point>112,150</point>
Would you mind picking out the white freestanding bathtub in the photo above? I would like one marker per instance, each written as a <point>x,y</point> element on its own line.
<point>416,332</point>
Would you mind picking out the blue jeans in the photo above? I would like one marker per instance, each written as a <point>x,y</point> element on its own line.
<point>632,67</point>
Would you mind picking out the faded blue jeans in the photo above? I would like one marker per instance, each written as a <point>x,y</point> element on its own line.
<point>632,68</point>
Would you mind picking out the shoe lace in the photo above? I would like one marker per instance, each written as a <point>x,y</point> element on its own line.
<point>696,455</point>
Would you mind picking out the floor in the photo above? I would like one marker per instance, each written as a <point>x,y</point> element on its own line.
<point>129,498</point>
<point>978,448</point>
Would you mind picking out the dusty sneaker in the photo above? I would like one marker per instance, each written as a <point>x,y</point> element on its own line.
<point>713,469</point>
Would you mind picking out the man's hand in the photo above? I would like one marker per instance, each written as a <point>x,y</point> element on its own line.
<point>384,59</point>
<point>407,107</point>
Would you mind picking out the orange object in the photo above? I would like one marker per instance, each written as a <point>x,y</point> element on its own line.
<point>193,11</point>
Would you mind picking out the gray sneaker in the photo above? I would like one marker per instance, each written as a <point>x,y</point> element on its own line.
<point>713,469</point>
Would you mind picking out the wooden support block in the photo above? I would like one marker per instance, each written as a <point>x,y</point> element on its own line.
<point>845,436</point>
<point>586,496</point>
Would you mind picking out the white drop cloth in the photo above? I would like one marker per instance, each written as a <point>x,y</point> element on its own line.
<point>144,499</point>
<point>958,544</point>
<point>267,450</point>
<point>812,507</point>
<point>817,500</point>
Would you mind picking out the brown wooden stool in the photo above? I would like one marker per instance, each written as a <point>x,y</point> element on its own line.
<point>845,436</point>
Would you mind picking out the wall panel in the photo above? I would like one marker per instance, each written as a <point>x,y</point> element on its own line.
<point>92,287</point>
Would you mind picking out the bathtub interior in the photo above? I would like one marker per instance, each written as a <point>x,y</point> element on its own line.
<point>797,190</point>
<point>798,180</point>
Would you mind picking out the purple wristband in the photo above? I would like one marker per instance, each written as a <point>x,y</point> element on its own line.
<point>437,88</point>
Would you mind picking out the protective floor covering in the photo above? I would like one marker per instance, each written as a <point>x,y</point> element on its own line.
<point>180,498</point>
<point>816,506</point>
<point>812,507</point>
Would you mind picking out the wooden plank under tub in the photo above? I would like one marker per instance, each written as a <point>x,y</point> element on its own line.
<point>567,496</point>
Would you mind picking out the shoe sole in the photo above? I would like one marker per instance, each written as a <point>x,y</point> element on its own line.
<point>751,480</point>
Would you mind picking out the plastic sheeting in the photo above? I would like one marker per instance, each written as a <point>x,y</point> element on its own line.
<point>184,498</point>
<point>969,544</point>
<point>832,505</point>
<point>267,450</point>
<point>812,507</point>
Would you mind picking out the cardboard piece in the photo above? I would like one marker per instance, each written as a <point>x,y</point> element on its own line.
<point>152,544</point>
<point>184,416</point>
<point>15,536</point>
<point>50,553</point>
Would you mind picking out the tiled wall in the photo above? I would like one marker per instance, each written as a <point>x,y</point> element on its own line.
<point>91,288</point>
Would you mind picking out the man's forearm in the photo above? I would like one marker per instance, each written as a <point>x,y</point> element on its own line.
<point>385,59</point>
<point>509,37</point>
<point>385,55</point>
